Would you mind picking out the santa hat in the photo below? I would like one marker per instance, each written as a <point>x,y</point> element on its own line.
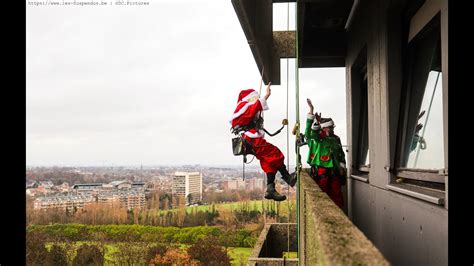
<point>327,122</point>
<point>243,104</point>
<point>245,95</point>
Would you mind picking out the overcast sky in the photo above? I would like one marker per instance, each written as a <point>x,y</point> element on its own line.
<point>153,85</point>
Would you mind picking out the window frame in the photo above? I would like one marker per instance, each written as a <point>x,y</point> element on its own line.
<point>360,106</point>
<point>414,34</point>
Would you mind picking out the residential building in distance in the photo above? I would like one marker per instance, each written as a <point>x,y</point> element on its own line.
<point>256,184</point>
<point>237,184</point>
<point>187,188</point>
<point>129,199</point>
<point>123,194</point>
<point>88,187</point>
<point>32,184</point>
<point>64,201</point>
<point>46,184</point>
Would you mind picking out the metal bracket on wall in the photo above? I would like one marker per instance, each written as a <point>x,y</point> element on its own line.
<point>443,171</point>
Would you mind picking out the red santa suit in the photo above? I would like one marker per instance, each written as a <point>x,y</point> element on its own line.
<point>249,106</point>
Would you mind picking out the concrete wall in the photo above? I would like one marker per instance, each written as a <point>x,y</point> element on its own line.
<point>275,239</point>
<point>407,230</point>
<point>327,236</point>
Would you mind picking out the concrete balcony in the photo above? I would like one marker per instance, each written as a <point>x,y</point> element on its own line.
<point>326,235</point>
<point>274,240</point>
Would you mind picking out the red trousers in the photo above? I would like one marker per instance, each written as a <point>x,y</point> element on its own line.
<point>331,184</point>
<point>270,157</point>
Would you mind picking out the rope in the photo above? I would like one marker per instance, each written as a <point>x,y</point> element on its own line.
<point>261,81</point>
<point>287,90</point>
<point>261,113</point>
<point>426,120</point>
<point>243,168</point>
<point>288,131</point>
<point>297,122</point>
<point>260,89</point>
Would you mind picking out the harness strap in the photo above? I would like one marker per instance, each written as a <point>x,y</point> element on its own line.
<point>278,131</point>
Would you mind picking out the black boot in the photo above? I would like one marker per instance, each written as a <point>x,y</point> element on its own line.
<point>271,193</point>
<point>290,179</point>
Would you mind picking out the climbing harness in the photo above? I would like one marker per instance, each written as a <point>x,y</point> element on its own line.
<point>241,146</point>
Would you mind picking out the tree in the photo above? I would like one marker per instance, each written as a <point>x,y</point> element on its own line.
<point>88,255</point>
<point>153,200</point>
<point>164,201</point>
<point>155,254</point>
<point>190,198</point>
<point>36,253</point>
<point>130,253</point>
<point>208,252</point>
<point>57,256</point>
<point>174,256</point>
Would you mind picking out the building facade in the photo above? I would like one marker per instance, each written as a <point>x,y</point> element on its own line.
<point>187,188</point>
<point>396,58</point>
<point>238,184</point>
<point>116,194</point>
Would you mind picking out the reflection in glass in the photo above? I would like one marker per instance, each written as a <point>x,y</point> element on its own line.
<point>426,150</point>
<point>366,161</point>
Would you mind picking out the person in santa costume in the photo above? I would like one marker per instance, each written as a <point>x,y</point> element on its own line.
<point>249,124</point>
<point>326,156</point>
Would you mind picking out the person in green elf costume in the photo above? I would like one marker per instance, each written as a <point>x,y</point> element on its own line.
<point>326,156</point>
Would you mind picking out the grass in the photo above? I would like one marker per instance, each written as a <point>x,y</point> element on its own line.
<point>290,255</point>
<point>251,205</point>
<point>257,204</point>
<point>239,256</point>
<point>110,249</point>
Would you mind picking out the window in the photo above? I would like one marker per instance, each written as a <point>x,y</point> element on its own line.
<point>426,148</point>
<point>360,118</point>
<point>421,149</point>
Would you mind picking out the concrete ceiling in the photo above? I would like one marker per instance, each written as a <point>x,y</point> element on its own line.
<point>321,34</point>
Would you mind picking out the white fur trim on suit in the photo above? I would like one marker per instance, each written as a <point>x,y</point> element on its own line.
<point>264,103</point>
<point>250,95</point>
<point>327,124</point>
<point>258,134</point>
<point>310,116</point>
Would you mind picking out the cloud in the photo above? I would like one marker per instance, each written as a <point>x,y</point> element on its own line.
<point>151,85</point>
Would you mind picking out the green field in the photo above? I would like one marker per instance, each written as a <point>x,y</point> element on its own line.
<point>239,256</point>
<point>258,205</point>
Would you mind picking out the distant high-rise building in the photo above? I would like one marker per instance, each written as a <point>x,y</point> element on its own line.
<point>187,187</point>
<point>229,185</point>
<point>255,183</point>
<point>238,184</point>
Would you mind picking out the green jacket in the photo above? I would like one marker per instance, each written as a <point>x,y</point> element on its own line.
<point>326,152</point>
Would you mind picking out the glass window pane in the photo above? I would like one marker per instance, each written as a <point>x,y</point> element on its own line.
<point>367,162</point>
<point>427,149</point>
